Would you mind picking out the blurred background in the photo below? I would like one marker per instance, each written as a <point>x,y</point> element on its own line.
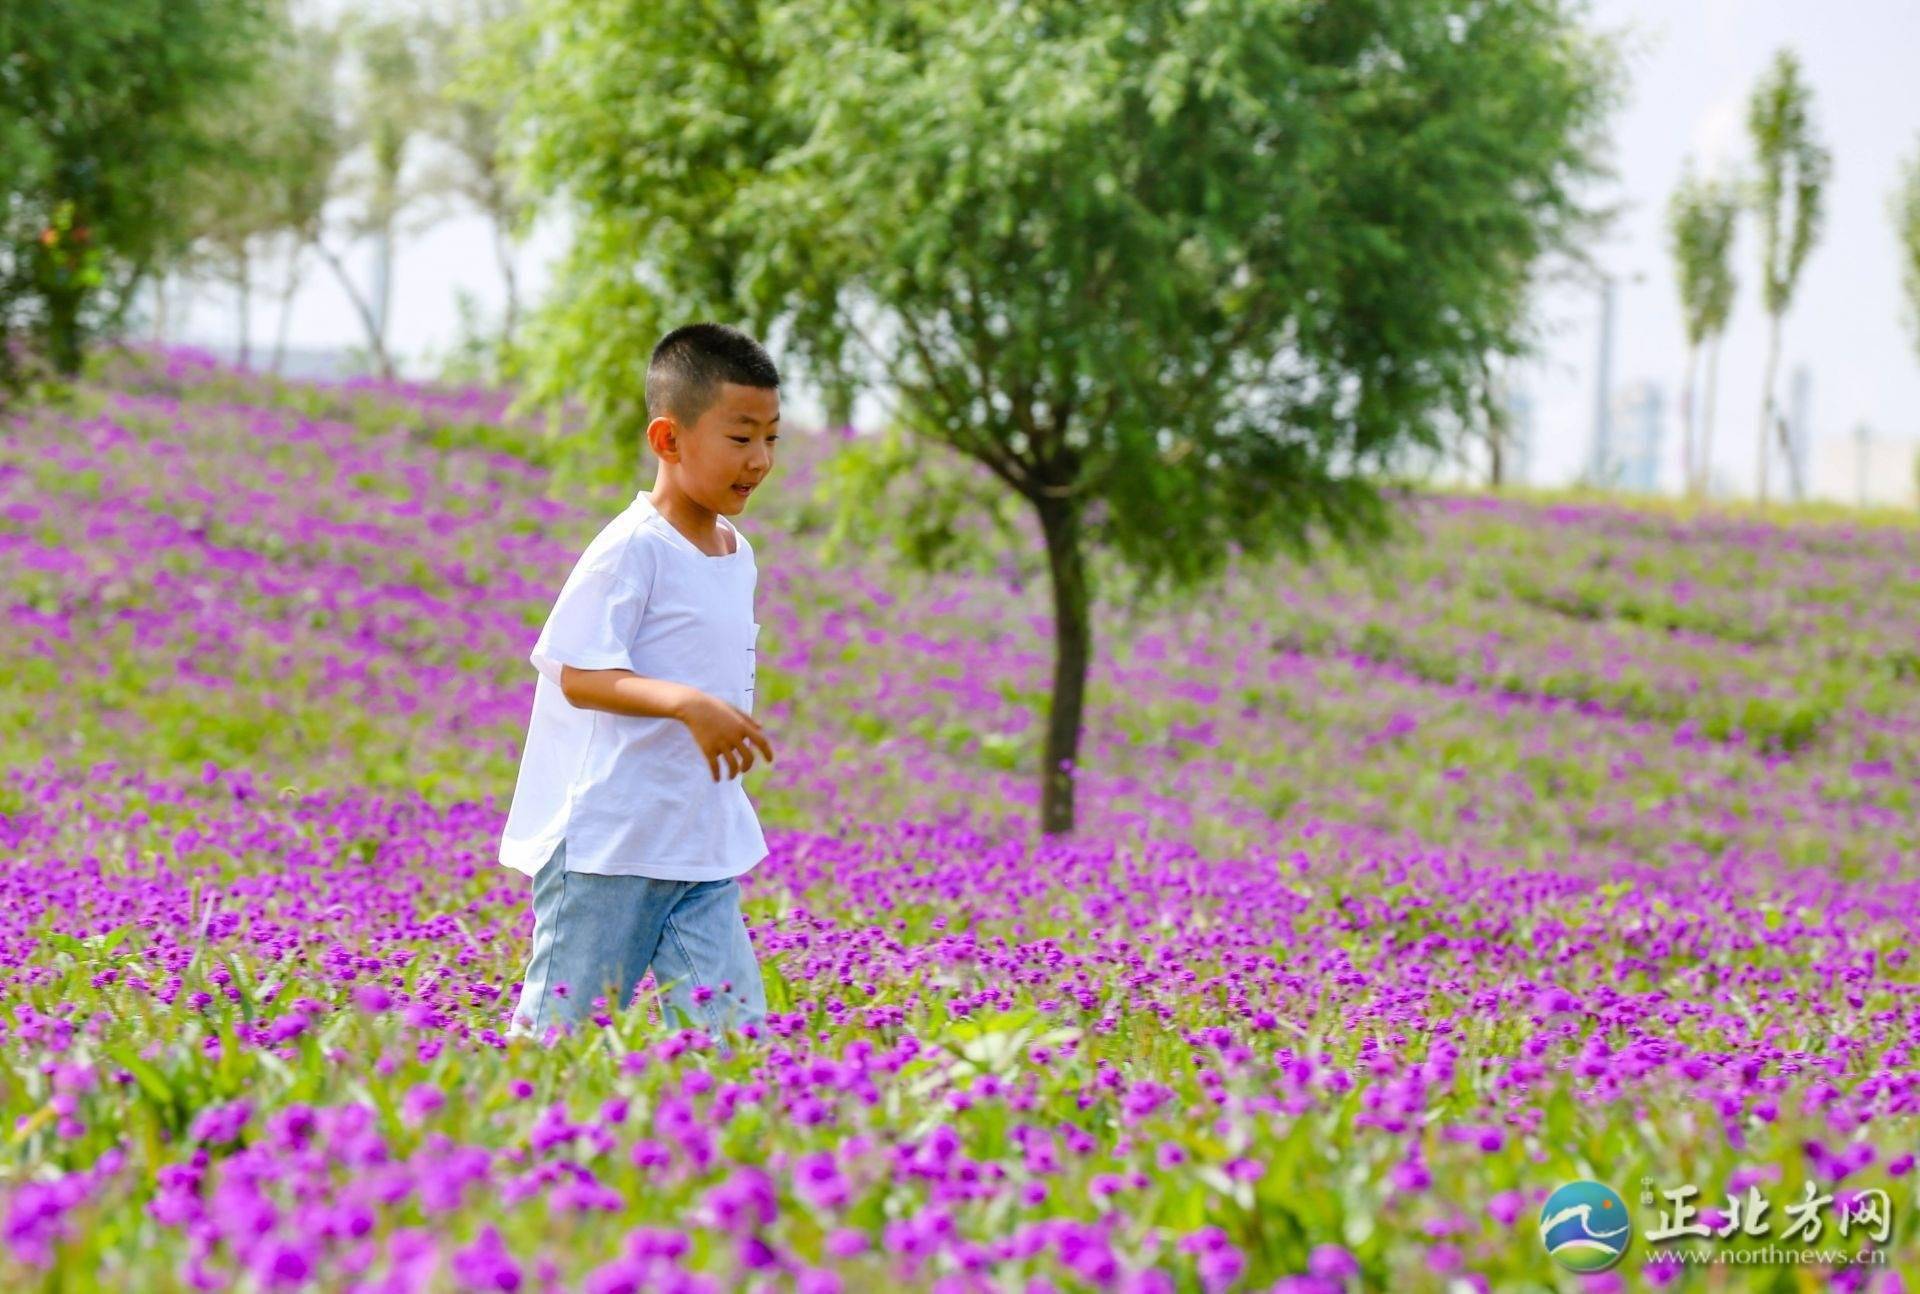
<point>409,250</point>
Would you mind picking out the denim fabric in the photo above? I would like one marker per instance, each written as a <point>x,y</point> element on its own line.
<point>596,935</point>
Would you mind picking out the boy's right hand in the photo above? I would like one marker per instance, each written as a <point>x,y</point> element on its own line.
<point>724,732</point>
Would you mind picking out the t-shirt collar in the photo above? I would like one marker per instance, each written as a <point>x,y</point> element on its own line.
<point>645,504</point>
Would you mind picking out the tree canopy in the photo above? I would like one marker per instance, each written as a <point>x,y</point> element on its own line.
<point>105,108</point>
<point>1183,276</point>
<point>1701,216</point>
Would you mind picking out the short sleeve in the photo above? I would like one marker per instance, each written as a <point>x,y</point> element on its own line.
<point>592,625</point>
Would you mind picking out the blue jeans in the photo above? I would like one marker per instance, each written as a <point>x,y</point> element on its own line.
<point>596,935</point>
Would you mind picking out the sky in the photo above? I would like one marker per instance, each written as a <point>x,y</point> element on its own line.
<point>1691,66</point>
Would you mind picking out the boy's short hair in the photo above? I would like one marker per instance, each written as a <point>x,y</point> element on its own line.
<point>690,363</point>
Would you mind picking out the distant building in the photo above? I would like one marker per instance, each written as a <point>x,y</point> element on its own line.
<point>1866,469</point>
<point>1633,447</point>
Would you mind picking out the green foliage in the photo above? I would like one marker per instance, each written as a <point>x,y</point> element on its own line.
<point>1906,231</point>
<point>1700,224</point>
<point>106,112</point>
<point>1184,279</point>
<point>1789,187</point>
<point>1204,268</point>
<point>472,75</point>
<point>1701,216</point>
<point>1789,195</point>
<point>918,502</point>
<point>392,102</point>
<point>280,149</point>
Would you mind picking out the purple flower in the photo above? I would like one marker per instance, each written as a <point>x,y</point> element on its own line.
<point>1409,1176</point>
<point>422,1101</point>
<point>844,1242</point>
<point>817,1180</point>
<point>218,1124</point>
<point>485,1264</point>
<point>744,1201</point>
<point>1331,1262</point>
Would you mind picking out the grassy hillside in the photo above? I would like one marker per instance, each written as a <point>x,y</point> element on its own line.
<point>1563,839</point>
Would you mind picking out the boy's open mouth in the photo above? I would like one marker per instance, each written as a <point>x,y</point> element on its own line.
<point>743,490</point>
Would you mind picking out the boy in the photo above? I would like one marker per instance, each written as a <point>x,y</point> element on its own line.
<point>646,664</point>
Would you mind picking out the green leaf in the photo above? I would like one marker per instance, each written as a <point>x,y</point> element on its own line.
<point>151,1080</point>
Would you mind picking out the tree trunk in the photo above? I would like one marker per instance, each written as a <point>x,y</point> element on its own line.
<point>840,397</point>
<point>1072,634</point>
<point>1706,416</point>
<point>1766,400</point>
<point>1687,421</point>
<point>160,310</point>
<point>1793,461</point>
<point>383,285</point>
<point>503,252</point>
<point>286,313</point>
<point>360,306</point>
<point>1496,453</point>
<point>245,285</point>
<point>65,348</point>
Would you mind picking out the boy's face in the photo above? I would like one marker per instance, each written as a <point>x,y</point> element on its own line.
<point>728,452</point>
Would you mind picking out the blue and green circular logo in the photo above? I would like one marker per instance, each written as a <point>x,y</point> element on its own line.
<point>1585,1227</point>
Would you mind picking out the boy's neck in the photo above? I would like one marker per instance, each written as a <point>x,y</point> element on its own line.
<point>699,524</point>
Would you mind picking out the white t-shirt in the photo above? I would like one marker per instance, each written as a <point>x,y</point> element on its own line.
<point>634,796</point>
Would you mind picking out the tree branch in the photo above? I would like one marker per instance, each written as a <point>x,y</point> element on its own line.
<point>1010,467</point>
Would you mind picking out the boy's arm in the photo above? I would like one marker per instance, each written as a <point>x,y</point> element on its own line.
<point>725,733</point>
<point>621,691</point>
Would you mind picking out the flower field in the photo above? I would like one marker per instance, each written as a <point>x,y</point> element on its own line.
<point>1562,841</point>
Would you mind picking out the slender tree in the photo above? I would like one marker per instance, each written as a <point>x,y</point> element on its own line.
<point>315,144</point>
<point>473,74</point>
<point>1788,191</point>
<point>263,199</point>
<point>1905,206</point>
<point>1700,226</point>
<point>1182,278</point>
<point>390,106</point>
<point>1492,429</point>
<point>1496,423</point>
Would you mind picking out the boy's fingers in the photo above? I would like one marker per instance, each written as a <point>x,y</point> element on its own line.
<point>759,740</point>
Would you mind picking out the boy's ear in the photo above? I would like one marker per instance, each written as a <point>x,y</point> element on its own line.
<point>663,438</point>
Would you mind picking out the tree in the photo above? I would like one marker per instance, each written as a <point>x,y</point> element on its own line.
<point>474,78</point>
<point>1181,278</point>
<point>1494,425</point>
<point>391,105</point>
<point>1905,206</point>
<point>268,192</point>
<point>1792,169</point>
<point>313,144</point>
<point>1700,225</point>
<point>104,112</point>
